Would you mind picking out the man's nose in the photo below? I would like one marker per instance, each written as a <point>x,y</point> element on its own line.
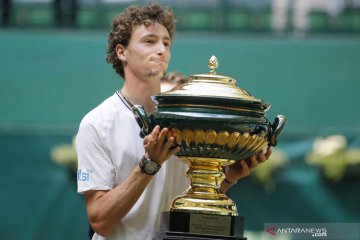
<point>161,48</point>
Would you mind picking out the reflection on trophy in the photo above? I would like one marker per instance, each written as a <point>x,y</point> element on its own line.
<point>216,123</point>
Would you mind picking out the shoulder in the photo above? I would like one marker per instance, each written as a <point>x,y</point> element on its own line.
<point>102,118</point>
<point>103,113</point>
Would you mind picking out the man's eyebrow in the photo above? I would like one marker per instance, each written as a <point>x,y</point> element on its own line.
<point>149,35</point>
<point>167,38</point>
<point>154,35</point>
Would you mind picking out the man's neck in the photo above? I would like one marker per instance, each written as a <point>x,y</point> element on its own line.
<point>140,92</point>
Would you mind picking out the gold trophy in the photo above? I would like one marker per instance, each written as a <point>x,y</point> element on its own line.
<point>216,123</point>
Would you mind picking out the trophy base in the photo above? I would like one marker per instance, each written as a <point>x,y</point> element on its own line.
<point>189,236</point>
<point>187,225</point>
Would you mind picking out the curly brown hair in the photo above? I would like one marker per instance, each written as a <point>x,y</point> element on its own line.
<point>123,24</point>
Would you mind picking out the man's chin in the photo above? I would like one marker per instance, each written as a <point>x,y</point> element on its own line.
<point>156,73</point>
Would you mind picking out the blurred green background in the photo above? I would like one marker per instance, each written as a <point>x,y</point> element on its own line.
<point>52,72</point>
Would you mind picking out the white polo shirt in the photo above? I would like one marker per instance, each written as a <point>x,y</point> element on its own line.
<point>109,148</point>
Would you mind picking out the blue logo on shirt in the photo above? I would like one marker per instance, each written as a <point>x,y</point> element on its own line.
<point>84,175</point>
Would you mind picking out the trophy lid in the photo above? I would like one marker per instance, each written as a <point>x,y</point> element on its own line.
<point>212,85</point>
<point>211,88</point>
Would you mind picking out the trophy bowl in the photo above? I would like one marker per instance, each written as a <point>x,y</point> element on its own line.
<point>215,123</point>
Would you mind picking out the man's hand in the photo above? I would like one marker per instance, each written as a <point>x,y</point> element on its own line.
<point>242,168</point>
<point>158,145</point>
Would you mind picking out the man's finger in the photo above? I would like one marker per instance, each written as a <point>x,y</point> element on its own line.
<point>155,133</point>
<point>268,153</point>
<point>162,136</point>
<point>261,157</point>
<point>245,171</point>
<point>253,161</point>
<point>169,143</point>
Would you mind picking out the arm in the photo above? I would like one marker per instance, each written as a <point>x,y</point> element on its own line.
<point>241,169</point>
<point>106,208</point>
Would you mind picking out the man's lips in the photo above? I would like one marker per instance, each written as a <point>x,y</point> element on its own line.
<point>158,61</point>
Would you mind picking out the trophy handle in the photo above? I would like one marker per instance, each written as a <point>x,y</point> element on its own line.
<point>276,128</point>
<point>142,119</point>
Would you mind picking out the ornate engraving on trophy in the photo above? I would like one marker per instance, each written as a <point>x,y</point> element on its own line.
<point>210,224</point>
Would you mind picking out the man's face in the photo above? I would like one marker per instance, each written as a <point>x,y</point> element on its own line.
<point>148,52</point>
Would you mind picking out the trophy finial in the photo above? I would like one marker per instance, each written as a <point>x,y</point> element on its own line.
<point>213,64</point>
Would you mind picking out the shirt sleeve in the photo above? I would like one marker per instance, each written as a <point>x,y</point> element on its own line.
<point>95,167</point>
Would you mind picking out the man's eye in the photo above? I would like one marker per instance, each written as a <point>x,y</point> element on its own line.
<point>149,41</point>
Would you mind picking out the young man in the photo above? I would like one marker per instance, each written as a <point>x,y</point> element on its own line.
<point>124,199</point>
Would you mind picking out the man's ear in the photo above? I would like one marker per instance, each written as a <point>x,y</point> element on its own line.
<point>120,52</point>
